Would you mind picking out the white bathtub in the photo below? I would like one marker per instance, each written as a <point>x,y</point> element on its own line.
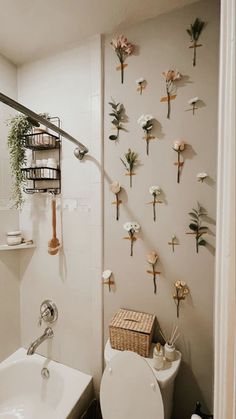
<point>25,394</point>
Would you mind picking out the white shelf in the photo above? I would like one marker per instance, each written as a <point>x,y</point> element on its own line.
<point>17,247</point>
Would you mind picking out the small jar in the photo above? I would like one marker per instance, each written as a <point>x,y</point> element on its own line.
<point>14,238</point>
<point>158,357</point>
<point>169,352</point>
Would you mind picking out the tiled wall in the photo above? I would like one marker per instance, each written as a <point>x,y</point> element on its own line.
<point>9,220</point>
<point>67,85</point>
<point>162,43</point>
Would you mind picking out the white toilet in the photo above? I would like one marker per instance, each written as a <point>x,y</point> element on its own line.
<point>132,389</point>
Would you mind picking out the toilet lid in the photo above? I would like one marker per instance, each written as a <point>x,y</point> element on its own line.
<point>129,389</point>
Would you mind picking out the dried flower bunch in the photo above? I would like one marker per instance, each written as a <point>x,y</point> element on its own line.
<point>131,227</point>
<point>179,146</point>
<point>106,276</point>
<point>202,176</point>
<point>174,242</point>
<point>152,259</point>
<point>141,85</point>
<point>194,32</point>
<point>171,76</point>
<point>193,101</point>
<point>196,225</point>
<point>118,116</point>
<point>181,292</point>
<point>155,191</point>
<point>130,161</point>
<point>116,188</point>
<point>146,122</point>
<point>123,49</point>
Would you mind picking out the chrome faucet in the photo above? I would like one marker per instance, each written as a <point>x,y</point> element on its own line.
<point>48,333</point>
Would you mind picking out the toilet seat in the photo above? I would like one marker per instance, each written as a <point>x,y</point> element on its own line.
<point>129,389</point>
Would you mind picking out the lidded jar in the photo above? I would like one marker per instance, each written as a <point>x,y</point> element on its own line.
<point>14,238</point>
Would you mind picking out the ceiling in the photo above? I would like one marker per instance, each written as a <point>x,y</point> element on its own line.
<point>30,29</point>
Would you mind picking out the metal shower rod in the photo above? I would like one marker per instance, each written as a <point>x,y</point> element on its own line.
<point>80,150</point>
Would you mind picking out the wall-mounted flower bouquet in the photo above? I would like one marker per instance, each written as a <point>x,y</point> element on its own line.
<point>201,176</point>
<point>171,76</point>
<point>130,160</point>
<point>116,188</point>
<point>141,83</point>
<point>117,118</point>
<point>173,242</point>
<point>146,122</point>
<point>196,227</point>
<point>152,259</point>
<point>123,49</point>
<point>194,32</point>
<point>155,191</point>
<point>132,227</point>
<point>181,292</point>
<point>179,146</point>
<point>193,102</point>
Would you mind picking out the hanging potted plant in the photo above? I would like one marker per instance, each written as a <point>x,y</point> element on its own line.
<point>19,127</point>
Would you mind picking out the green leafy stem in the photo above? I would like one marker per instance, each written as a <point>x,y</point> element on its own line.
<point>196,226</point>
<point>117,114</point>
<point>130,161</point>
<point>194,32</point>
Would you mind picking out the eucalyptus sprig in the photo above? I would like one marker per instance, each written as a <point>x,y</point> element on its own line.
<point>196,225</point>
<point>130,161</point>
<point>194,32</point>
<point>19,127</point>
<point>118,115</point>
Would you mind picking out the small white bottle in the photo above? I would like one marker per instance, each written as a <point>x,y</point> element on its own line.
<point>158,358</point>
<point>169,352</point>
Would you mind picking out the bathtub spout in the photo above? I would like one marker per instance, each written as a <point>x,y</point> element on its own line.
<point>48,333</point>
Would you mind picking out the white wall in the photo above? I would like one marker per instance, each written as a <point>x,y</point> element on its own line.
<point>163,42</point>
<point>9,263</point>
<point>67,85</point>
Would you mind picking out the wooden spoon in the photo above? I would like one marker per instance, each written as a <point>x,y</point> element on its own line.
<point>53,244</point>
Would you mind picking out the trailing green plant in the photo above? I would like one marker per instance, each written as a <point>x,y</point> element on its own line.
<point>196,225</point>
<point>194,32</point>
<point>19,127</point>
<point>118,115</point>
<point>130,161</point>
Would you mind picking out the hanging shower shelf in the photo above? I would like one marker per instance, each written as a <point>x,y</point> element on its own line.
<point>41,173</point>
<point>41,141</point>
<point>41,178</point>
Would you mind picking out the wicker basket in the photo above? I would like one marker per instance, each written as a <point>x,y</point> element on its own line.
<point>132,331</point>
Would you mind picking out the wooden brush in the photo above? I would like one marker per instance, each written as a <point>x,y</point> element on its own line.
<point>53,244</point>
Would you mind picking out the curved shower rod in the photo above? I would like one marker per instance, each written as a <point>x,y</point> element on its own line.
<point>79,151</point>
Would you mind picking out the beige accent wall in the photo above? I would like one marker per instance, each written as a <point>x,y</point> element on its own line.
<point>162,43</point>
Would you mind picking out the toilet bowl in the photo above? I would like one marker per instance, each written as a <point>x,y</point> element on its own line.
<point>132,389</point>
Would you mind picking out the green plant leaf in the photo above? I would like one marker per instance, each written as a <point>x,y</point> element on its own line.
<point>202,242</point>
<point>193,227</point>
<point>113,137</point>
<point>193,215</point>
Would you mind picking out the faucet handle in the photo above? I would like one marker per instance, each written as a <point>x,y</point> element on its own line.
<point>48,312</point>
<point>44,315</point>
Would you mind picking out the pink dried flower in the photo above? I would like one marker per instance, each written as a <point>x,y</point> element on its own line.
<point>170,77</point>
<point>123,48</point>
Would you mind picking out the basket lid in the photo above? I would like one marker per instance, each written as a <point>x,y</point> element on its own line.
<point>133,320</point>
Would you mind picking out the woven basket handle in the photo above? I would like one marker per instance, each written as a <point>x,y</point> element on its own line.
<point>131,320</point>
